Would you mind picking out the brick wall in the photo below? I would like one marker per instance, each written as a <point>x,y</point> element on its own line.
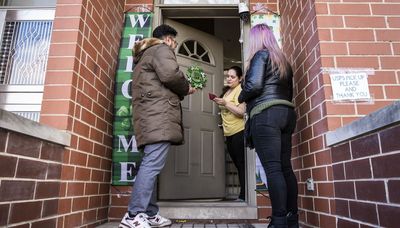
<point>311,159</point>
<point>367,181</point>
<point>78,97</point>
<point>360,34</point>
<point>30,171</point>
<point>320,34</point>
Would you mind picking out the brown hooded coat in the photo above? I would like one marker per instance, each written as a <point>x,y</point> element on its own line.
<point>158,86</point>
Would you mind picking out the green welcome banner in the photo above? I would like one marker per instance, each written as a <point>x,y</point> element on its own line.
<point>126,157</point>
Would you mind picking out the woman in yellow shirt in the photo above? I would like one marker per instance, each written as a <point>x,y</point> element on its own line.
<point>233,123</point>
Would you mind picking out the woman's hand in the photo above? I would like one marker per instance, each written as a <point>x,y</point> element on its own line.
<point>220,101</point>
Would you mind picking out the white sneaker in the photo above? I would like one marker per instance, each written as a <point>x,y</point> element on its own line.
<point>158,221</point>
<point>140,221</point>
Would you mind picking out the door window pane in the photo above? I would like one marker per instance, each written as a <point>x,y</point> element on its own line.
<point>200,2</point>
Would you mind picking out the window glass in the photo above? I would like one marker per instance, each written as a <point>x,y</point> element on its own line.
<point>200,2</point>
<point>28,2</point>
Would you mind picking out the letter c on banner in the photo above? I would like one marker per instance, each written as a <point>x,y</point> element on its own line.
<point>125,89</point>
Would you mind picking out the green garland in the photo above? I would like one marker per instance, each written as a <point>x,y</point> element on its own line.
<point>196,77</point>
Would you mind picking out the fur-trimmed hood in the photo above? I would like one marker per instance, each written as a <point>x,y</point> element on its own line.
<point>142,45</point>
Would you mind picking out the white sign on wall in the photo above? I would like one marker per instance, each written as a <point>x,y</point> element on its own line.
<point>350,86</point>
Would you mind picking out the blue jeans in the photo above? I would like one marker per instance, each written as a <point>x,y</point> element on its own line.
<point>144,194</point>
<point>271,132</point>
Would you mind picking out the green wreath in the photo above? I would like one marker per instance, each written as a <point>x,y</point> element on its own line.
<point>196,77</point>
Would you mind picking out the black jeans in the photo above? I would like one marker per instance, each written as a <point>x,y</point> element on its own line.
<point>235,146</point>
<point>271,132</point>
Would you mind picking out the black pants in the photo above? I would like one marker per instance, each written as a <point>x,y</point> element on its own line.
<point>235,146</point>
<point>271,132</point>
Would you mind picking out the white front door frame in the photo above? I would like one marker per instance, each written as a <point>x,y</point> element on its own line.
<point>212,210</point>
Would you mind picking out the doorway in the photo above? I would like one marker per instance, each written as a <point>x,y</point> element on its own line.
<point>181,192</point>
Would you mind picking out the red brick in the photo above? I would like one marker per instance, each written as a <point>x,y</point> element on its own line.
<point>47,190</point>
<point>11,190</point>
<point>370,49</point>
<point>334,48</point>
<point>386,166</point>
<point>387,35</point>
<point>78,158</point>
<point>75,189</point>
<point>65,206</point>
<point>371,191</point>
<point>359,169</point>
<point>50,207</point>
<point>68,10</point>
<point>362,62</point>
<point>365,22</point>
<point>49,223</point>
<point>353,35</point>
<point>349,9</point>
<point>321,205</point>
<point>365,109</point>
<point>325,189</point>
<point>4,208</point>
<point>392,92</point>
<point>320,127</point>
<point>365,212</point>
<point>366,146</point>
<point>51,152</point>
<point>388,215</point>
<point>394,193</point>
<point>313,219</point>
<point>7,166</point>
<point>23,145</point>
<point>59,122</point>
<point>327,221</point>
<point>31,169</point>
<point>347,224</point>
<point>341,152</point>
<point>338,172</point>
<point>82,174</point>
<point>329,21</point>
<point>390,62</point>
<point>73,220</point>
<point>80,203</point>
<point>344,190</point>
<point>342,208</point>
<point>85,145</point>
<point>385,9</point>
<point>26,211</point>
<point>89,216</point>
<point>57,107</point>
<point>3,140</point>
<point>394,22</point>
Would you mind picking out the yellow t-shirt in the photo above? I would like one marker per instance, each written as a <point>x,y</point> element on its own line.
<point>230,122</point>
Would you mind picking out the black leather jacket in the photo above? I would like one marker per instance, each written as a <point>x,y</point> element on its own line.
<point>262,83</point>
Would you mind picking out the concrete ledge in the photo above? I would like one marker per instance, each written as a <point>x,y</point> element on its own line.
<point>384,117</point>
<point>13,122</point>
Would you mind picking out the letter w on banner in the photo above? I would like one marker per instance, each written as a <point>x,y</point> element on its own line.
<point>126,157</point>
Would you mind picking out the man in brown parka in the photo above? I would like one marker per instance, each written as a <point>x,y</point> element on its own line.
<point>158,86</point>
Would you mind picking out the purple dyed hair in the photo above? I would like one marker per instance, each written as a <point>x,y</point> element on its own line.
<point>261,37</point>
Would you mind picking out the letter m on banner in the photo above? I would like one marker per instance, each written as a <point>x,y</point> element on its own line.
<point>125,155</point>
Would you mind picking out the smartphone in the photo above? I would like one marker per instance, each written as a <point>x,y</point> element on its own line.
<point>211,96</point>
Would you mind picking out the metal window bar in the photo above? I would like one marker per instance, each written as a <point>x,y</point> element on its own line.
<point>24,52</point>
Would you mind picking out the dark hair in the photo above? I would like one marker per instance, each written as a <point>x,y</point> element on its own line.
<point>238,71</point>
<point>164,30</point>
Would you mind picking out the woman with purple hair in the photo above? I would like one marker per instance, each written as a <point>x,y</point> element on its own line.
<point>267,90</point>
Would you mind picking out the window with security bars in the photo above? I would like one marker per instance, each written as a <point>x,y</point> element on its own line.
<point>24,51</point>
